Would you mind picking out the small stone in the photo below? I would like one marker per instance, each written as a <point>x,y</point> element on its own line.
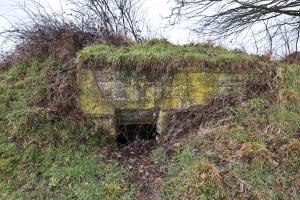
<point>177,145</point>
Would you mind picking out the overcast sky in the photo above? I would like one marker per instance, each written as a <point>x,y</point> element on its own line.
<point>154,10</point>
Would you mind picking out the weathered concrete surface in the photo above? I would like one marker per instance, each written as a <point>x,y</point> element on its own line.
<point>112,97</point>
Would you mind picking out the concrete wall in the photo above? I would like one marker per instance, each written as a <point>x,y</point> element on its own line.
<point>115,97</point>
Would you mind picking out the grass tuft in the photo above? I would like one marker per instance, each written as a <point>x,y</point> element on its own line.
<point>253,151</point>
<point>205,181</point>
<point>293,147</point>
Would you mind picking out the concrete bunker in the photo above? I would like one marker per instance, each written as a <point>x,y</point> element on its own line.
<point>133,106</point>
<point>131,89</point>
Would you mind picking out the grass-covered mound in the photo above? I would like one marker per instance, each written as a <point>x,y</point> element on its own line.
<point>157,56</point>
<point>240,147</point>
<point>44,154</point>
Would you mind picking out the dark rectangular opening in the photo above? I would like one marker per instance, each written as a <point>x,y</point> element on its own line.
<point>130,132</point>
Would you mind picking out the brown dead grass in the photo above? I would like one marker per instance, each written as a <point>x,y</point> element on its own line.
<point>184,121</point>
<point>293,58</point>
<point>203,175</point>
<point>293,147</point>
<point>285,96</point>
<point>254,151</point>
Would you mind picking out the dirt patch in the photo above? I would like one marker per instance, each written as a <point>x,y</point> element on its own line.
<point>144,172</point>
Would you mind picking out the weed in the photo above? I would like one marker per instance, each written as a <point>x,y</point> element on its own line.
<point>9,156</point>
<point>112,190</point>
<point>287,95</point>
<point>205,182</point>
<point>293,58</point>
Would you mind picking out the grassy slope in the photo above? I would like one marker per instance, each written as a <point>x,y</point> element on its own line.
<point>253,154</point>
<point>45,159</point>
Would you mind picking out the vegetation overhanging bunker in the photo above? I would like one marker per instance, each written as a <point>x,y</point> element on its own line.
<point>146,81</point>
<point>159,56</point>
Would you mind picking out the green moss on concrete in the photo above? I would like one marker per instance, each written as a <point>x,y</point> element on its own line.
<point>162,122</point>
<point>90,96</point>
<point>179,91</point>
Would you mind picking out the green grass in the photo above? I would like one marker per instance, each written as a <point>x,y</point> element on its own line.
<point>254,156</point>
<point>44,157</point>
<point>159,154</point>
<point>64,173</point>
<point>162,56</point>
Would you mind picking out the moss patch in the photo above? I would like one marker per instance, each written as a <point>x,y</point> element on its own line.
<point>100,96</point>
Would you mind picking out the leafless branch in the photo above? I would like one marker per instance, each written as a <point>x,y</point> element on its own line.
<point>226,18</point>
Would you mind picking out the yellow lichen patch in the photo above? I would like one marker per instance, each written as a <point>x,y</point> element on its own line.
<point>106,123</point>
<point>95,107</point>
<point>170,103</point>
<point>188,89</point>
<point>253,151</point>
<point>180,91</point>
<point>90,98</point>
<point>104,91</point>
<point>162,122</point>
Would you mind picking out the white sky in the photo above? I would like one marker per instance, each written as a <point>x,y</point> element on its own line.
<point>154,10</point>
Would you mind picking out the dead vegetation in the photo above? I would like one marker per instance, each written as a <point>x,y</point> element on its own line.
<point>254,152</point>
<point>57,48</point>
<point>293,147</point>
<point>184,121</point>
<point>204,176</point>
<point>293,58</point>
<point>61,95</point>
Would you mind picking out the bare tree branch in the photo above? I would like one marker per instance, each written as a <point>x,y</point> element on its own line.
<point>225,18</point>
